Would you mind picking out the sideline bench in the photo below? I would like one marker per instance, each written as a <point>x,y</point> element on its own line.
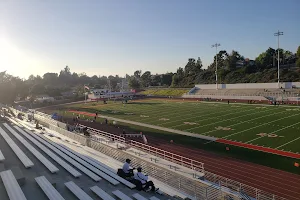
<point>137,196</point>
<point>48,189</point>
<point>19,153</point>
<point>77,191</point>
<point>52,168</point>
<point>100,166</point>
<point>61,162</point>
<point>11,185</point>
<point>121,195</point>
<point>67,158</point>
<point>1,156</point>
<point>101,193</point>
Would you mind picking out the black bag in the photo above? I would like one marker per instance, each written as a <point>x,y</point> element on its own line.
<point>138,184</point>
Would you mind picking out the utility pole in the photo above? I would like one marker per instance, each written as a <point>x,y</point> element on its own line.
<point>278,34</point>
<point>212,46</point>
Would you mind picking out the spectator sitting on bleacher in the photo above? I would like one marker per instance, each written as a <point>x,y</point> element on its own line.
<point>144,180</point>
<point>127,169</point>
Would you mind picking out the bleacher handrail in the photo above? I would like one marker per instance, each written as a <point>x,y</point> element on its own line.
<point>175,158</point>
<point>211,177</point>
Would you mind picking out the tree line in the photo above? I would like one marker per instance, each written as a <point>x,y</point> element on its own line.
<point>232,68</point>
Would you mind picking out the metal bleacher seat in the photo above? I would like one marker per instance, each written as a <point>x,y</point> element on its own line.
<point>137,196</point>
<point>19,153</point>
<point>52,168</point>
<point>121,195</point>
<point>86,164</point>
<point>77,191</point>
<point>101,193</point>
<point>61,162</point>
<point>11,185</point>
<point>48,189</point>
<point>1,156</point>
<point>154,198</point>
<point>101,167</point>
<point>67,158</point>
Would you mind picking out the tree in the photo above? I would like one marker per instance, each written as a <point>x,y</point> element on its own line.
<point>146,79</point>
<point>134,83</point>
<point>7,88</point>
<point>37,89</point>
<point>137,74</point>
<point>232,60</point>
<point>298,57</point>
<point>50,78</point>
<point>166,79</point>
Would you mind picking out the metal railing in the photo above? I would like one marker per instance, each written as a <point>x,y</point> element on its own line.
<point>192,189</point>
<point>175,158</point>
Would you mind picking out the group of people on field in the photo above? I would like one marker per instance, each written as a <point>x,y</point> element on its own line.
<point>138,178</point>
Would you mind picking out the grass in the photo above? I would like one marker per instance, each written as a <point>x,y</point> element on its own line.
<point>165,92</point>
<point>280,125</point>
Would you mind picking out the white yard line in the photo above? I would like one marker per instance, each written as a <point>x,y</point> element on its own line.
<point>190,111</point>
<point>259,125</point>
<point>193,113</point>
<point>247,121</point>
<point>273,132</point>
<point>221,120</point>
<point>288,142</point>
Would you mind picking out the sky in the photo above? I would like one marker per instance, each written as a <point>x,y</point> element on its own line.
<point>115,37</point>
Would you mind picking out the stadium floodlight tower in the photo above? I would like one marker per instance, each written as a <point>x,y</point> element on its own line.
<point>278,34</point>
<point>216,46</point>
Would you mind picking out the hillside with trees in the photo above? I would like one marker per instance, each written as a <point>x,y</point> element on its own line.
<point>232,68</point>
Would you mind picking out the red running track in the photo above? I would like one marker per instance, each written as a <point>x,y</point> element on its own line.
<point>281,183</point>
<point>271,180</point>
<point>260,148</point>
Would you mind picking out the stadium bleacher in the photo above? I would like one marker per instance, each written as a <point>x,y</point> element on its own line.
<point>72,152</point>
<point>52,171</point>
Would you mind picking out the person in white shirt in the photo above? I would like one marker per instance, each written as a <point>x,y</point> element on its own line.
<point>144,180</point>
<point>127,169</point>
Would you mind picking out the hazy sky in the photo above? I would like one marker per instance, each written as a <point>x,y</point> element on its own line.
<point>119,37</point>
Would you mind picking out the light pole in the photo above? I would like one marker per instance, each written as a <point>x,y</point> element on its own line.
<point>278,34</point>
<point>212,46</point>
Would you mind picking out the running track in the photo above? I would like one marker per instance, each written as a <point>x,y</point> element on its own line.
<point>281,183</point>
<point>271,180</point>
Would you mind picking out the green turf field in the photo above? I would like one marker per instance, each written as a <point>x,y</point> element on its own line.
<point>268,126</point>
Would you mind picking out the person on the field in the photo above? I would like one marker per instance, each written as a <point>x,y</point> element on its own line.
<point>144,180</point>
<point>127,169</point>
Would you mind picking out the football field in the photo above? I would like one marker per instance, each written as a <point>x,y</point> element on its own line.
<point>277,127</point>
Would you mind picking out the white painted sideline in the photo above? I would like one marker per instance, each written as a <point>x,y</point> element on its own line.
<point>19,153</point>
<point>11,185</point>
<point>52,168</point>
<point>161,128</point>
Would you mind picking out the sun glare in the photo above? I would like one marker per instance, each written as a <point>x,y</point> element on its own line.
<point>14,60</point>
